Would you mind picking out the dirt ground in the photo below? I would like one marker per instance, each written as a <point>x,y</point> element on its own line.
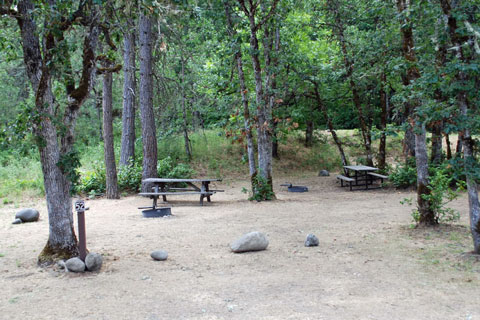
<point>369,265</point>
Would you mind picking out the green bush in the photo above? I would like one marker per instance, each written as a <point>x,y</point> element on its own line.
<point>130,177</point>
<point>93,181</point>
<point>167,169</point>
<point>404,176</point>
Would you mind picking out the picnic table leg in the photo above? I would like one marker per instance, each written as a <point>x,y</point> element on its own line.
<point>206,189</point>
<point>163,189</point>
<point>201,199</point>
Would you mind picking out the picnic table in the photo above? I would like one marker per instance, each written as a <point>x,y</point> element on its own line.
<point>169,187</point>
<point>360,175</point>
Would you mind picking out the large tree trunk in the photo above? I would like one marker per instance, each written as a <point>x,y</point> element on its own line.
<point>127,153</point>
<point>468,144</point>
<point>349,67</point>
<point>264,112</point>
<point>427,216</point>
<point>382,154</point>
<point>309,134</point>
<point>252,168</point>
<point>55,159</point>
<point>149,137</point>
<point>109,152</point>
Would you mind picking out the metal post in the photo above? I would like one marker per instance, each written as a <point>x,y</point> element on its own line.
<point>82,240</point>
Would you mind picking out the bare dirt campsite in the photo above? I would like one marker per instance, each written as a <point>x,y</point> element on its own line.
<point>370,263</point>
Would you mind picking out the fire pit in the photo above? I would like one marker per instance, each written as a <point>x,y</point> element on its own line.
<point>157,212</point>
<point>292,188</point>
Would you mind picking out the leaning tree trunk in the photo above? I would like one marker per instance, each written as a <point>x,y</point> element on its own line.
<point>427,216</point>
<point>127,152</point>
<point>323,109</point>
<point>109,152</point>
<point>149,137</point>
<point>467,141</point>
<point>184,113</point>
<point>252,168</point>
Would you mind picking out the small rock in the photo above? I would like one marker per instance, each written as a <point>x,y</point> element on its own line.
<point>17,221</point>
<point>75,265</point>
<point>159,255</point>
<point>312,241</point>
<point>28,215</point>
<point>323,173</point>
<point>61,264</point>
<point>93,261</point>
<point>253,241</point>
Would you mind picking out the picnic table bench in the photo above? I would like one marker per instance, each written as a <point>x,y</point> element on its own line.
<point>167,187</point>
<point>363,176</point>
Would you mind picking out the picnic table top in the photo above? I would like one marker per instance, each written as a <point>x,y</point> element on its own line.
<point>164,180</point>
<point>361,168</point>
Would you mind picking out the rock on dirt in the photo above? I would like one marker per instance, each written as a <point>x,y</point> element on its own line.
<point>159,255</point>
<point>311,241</point>
<point>75,265</point>
<point>28,215</point>
<point>253,241</point>
<point>93,261</point>
<point>323,173</point>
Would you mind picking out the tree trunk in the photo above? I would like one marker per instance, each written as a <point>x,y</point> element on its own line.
<point>109,152</point>
<point>264,112</point>
<point>437,151</point>
<point>184,113</point>
<point>465,135</point>
<point>349,67</point>
<point>127,152</point>
<point>252,168</point>
<point>382,154</point>
<point>309,134</point>
<point>149,137</point>
<point>427,216</point>
<point>275,153</point>
<point>449,147</point>
<point>323,109</point>
<point>98,106</point>
<point>55,159</point>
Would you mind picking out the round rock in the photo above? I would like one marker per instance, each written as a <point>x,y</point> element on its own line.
<point>253,241</point>
<point>323,173</point>
<point>75,265</point>
<point>311,241</point>
<point>159,255</point>
<point>28,215</point>
<point>17,221</point>
<point>93,261</point>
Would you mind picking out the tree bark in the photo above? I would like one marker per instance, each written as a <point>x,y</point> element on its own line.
<point>184,113</point>
<point>264,112</point>
<point>449,147</point>
<point>382,154</point>
<point>55,158</point>
<point>252,168</point>
<point>465,135</point>
<point>109,152</point>
<point>427,216</point>
<point>127,153</point>
<point>437,151</point>
<point>149,137</point>
<point>309,134</point>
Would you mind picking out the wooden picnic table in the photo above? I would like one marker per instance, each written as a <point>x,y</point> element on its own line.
<point>167,187</point>
<point>362,176</point>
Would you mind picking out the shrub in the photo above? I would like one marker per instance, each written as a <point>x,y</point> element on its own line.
<point>404,176</point>
<point>130,177</point>
<point>93,181</point>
